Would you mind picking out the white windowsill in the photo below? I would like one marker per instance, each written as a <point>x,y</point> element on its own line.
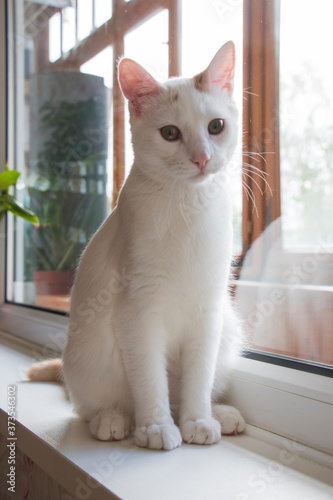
<point>256,465</point>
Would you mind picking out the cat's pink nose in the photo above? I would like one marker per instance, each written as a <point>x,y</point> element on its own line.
<point>200,160</point>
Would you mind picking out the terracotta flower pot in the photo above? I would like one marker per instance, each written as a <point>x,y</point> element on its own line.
<point>53,282</point>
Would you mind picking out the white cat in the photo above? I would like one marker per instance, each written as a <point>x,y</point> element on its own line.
<point>152,330</point>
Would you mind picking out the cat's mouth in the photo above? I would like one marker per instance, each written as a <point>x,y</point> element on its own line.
<point>201,176</point>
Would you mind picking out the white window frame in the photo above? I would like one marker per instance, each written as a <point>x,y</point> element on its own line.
<point>290,403</point>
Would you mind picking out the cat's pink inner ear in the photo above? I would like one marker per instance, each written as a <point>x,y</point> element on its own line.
<point>136,84</point>
<point>221,70</point>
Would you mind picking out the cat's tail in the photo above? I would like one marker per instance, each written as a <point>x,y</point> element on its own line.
<point>49,370</point>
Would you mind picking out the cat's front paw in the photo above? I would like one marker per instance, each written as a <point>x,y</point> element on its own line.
<point>201,431</point>
<point>230,419</point>
<point>108,425</point>
<point>158,437</point>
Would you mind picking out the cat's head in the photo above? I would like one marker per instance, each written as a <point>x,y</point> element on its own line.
<point>185,128</point>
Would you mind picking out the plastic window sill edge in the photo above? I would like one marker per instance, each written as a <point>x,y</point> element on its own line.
<point>69,475</point>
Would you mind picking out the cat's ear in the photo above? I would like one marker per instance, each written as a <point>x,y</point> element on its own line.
<point>220,72</point>
<point>137,84</point>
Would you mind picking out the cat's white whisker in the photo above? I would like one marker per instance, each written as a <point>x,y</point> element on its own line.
<point>246,174</point>
<point>250,195</point>
<point>246,91</point>
<point>255,168</point>
<point>250,171</point>
<point>253,155</point>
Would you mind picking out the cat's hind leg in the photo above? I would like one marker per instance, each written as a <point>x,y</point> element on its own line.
<point>110,425</point>
<point>97,383</point>
<point>229,417</point>
<point>231,344</point>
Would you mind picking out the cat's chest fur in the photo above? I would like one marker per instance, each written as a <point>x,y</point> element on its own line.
<point>177,241</point>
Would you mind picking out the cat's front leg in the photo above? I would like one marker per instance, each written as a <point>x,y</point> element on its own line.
<point>144,359</point>
<point>197,425</point>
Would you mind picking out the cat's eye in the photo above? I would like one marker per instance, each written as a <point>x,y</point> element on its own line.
<point>216,126</point>
<point>170,133</point>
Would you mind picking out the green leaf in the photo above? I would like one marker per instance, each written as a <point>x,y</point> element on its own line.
<point>8,178</point>
<point>16,208</point>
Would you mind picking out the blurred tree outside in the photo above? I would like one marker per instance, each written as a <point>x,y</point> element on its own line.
<point>306,150</point>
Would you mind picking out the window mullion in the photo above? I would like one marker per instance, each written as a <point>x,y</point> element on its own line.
<point>175,38</point>
<point>118,107</point>
<point>271,117</point>
<point>261,117</point>
<point>3,136</point>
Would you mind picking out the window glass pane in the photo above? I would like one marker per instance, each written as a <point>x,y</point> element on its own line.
<point>306,126</point>
<point>286,284</point>
<point>217,22</point>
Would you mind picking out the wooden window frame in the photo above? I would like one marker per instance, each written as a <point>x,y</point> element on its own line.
<point>261,115</point>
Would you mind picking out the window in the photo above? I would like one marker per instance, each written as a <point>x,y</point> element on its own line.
<point>285,285</point>
<point>73,148</point>
<point>283,264</point>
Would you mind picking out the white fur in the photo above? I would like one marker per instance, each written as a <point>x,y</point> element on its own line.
<point>152,330</point>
